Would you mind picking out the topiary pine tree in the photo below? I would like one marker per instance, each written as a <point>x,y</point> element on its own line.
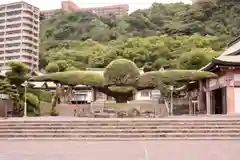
<point>121,79</point>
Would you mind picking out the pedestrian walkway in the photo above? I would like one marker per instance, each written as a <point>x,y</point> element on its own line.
<point>148,150</point>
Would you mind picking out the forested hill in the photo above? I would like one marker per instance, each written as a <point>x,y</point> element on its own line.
<point>174,35</point>
<point>218,18</point>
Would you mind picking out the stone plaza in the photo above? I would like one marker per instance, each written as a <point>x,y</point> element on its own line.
<point>119,150</point>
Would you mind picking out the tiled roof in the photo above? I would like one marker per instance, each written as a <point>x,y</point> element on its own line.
<point>230,56</point>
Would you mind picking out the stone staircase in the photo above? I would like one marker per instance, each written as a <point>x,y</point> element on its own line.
<point>120,129</point>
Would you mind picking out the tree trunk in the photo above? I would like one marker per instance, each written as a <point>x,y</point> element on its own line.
<point>55,101</point>
<point>121,99</point>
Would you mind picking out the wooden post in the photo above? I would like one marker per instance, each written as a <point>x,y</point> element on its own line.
<point>201,103</point>
<point>190,103</point>
<point>209,104</point>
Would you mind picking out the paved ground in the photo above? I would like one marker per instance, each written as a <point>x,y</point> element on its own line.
<point>166,150</point>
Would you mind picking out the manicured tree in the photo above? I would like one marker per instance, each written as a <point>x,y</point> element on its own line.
<point>121,72</point>
<point>33,104</point>
<point>121,79</point>
<point>12,92</point>
<point>18,73</point>
<point>52,68</point>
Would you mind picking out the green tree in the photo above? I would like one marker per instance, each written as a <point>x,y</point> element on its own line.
<point>52,68</point>
<point>123,83</point>
<point>195,59</point>
<point>17,74</point>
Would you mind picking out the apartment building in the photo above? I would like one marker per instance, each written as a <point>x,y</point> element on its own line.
<point>118,10</point>
<point>70,6</point>
<point>19,34</point>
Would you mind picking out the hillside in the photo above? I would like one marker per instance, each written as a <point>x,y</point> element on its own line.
<point>173,35</point>
<point>219,18</point>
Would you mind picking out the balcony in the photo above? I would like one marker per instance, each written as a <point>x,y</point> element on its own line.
<point>2,17</point>
<point>12,48</point>
<point>27,47</point>
<point>28,9</point>
<point>9,60</point>
<point>13,29</point>
<point>13,9</point>
<point>13,41</point>
<point>28,15</point>
<point>13,22</point>
<point>24,53</point>
<point>2,10</point>
<point>13,16</point>
<point>12,54</point>
<point>12,35</point>
<point>22,59</point>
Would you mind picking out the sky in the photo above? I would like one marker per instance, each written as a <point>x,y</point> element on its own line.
<point>134,4</point>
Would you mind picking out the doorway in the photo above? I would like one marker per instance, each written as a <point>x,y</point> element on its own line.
<point>219,101</point>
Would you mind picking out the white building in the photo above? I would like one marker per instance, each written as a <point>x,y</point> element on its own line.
<point>88,94</point>
<point>19,34</point>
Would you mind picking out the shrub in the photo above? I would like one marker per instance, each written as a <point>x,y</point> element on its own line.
<point>32,100</point>
<point>52,68</point>
<point>93,78</point>
<point>155,79</point>
<point>121,72</point>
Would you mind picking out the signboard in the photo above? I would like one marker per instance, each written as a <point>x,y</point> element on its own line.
<point>216,83</point>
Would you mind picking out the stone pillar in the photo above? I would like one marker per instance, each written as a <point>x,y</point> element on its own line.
<point>201,103</point>
<point>190,104</point>
<point>209,102</point>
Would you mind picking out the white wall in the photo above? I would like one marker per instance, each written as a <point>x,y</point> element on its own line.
<point>139,95</point>
<point>237,99</point>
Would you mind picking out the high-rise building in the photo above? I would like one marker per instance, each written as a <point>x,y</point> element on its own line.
<point>19,34</point>
<point>118,10</point>
<point>70,6</point>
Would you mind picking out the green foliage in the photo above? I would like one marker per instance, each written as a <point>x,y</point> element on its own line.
<point>219,18</point>
<point>196,58</point>
<point>62,65</point>
<point>32,100</point>
<point>159,79</point>
<point>122,78</point>
<point>121,72</point>
<point>18,73</point>
<point>42,95</point>
<point>9,89</point>
<point>52,68</point>
<point>122,89</point>
<point>155,52</point>
<point>74,78</point>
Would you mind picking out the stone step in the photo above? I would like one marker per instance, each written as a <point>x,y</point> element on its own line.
<point>123,127</point>
<point>103,131</point>
<point>119,135</point>
<point>116,124</point>
<point>115,139</point>
<point>124,120</point>
<point>119,127</point>
<point>116,120</point>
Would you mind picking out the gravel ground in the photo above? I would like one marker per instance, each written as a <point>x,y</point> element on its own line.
<point>123,150</point>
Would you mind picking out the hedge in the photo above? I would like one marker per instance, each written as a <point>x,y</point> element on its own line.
<point>93,78</point>
<point>154,79</point>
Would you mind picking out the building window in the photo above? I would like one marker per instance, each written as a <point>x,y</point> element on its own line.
<point>145,93</point>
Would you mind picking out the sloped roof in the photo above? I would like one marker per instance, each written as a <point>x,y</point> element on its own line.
<point>231,56</point>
